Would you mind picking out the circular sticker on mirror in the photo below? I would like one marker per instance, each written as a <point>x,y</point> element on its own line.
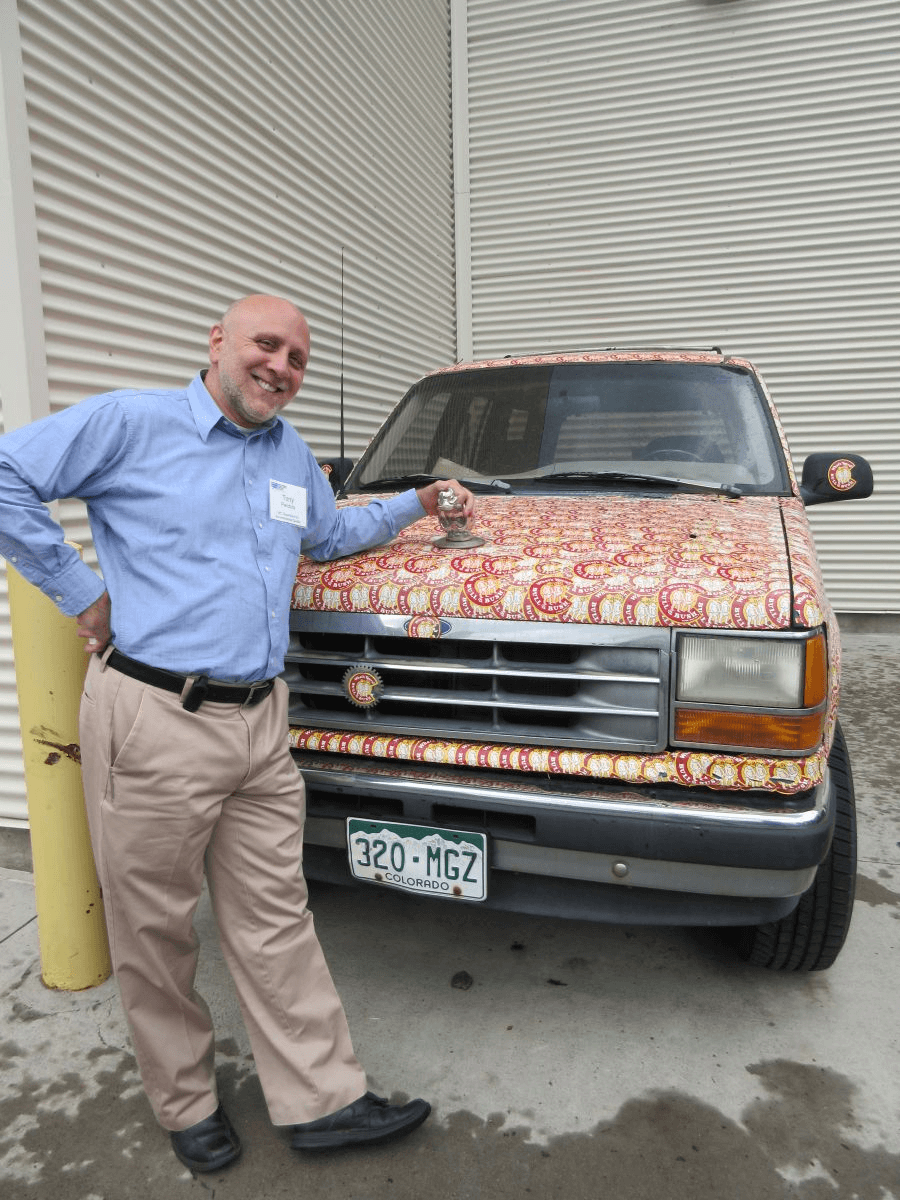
<point>840,475</point>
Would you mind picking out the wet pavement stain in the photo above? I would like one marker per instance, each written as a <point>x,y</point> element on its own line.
<point>870,713</point>
<point>24,1012</point>
<point>795,1141</point>
<point>868,891</point>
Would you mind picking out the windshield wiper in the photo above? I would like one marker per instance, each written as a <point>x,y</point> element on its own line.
<point>697,485</point>
<point>422,480</point>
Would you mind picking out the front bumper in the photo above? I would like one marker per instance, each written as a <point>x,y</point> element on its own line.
<point>564,846</point>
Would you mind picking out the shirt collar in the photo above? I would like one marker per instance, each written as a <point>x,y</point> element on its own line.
<point>207,414</point>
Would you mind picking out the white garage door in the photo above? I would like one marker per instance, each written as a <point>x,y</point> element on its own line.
<point>705,172</point>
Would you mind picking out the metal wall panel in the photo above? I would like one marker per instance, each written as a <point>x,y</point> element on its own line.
<point>13,808</point>
<point>692,172</point>
<point>23,376</point>
<point>186,152</point>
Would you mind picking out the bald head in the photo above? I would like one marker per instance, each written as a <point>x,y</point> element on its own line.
<point>258,353</point>
<point>256,302</point>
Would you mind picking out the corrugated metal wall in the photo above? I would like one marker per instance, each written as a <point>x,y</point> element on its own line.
<point>705,172</point>
<point>186,152</point>
<point>12,779</point>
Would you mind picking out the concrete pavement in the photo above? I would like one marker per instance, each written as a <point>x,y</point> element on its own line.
<point>582,1061</point>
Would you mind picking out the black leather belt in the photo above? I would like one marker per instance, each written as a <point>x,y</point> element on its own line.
<point>202,687</point>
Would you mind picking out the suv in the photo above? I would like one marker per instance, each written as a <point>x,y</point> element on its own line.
<point>622,706</point>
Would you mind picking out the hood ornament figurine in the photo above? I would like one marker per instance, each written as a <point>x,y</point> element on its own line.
<point>454,523</point>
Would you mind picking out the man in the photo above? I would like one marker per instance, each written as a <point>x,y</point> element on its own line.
<point>200,502</point>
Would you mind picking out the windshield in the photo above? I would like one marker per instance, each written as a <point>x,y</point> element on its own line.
<point>524,424</point>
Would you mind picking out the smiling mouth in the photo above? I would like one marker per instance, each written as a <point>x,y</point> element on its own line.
<point>268,387</point>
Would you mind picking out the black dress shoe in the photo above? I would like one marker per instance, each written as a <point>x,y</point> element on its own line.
<point>366,1122</point>
<point>209,1145</point>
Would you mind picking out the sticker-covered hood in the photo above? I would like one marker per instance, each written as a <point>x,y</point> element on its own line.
<point>682,560</point>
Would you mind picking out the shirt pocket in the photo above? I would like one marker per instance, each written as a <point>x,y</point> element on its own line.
<point>288,537</point>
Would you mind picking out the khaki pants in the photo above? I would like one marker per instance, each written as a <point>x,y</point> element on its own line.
<point>170,794</point>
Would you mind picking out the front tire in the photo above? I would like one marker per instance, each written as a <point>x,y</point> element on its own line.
<point>810,938</point>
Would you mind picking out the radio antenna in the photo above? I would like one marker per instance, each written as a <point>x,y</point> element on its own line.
<point>342,357</point>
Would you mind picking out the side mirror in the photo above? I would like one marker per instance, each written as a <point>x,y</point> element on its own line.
<point>336,470</point>
<point>829,477</point>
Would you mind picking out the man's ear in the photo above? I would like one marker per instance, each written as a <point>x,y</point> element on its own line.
<point>216,337</point>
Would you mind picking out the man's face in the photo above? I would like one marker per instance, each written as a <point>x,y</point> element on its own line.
<point>258,358</point>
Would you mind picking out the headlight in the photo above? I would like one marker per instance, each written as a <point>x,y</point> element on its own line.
<point>719,678</point>
<point>740,670</point>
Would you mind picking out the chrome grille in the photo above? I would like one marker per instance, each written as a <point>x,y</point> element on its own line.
<point>487,681</point>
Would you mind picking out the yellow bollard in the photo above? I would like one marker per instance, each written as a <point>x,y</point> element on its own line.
<point>50,666</point>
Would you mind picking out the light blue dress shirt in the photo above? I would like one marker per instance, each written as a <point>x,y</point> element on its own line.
<point>199,573</point>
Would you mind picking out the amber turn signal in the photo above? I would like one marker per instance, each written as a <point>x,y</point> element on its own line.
<point>751,731</point>
<point>815,685</point>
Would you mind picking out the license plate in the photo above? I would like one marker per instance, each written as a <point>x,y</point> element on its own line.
<point>417,858</point>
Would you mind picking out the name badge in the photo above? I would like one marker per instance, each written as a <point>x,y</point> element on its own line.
<point>287,502</point>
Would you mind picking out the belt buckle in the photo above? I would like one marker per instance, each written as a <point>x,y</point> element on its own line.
<point>264,686</point>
